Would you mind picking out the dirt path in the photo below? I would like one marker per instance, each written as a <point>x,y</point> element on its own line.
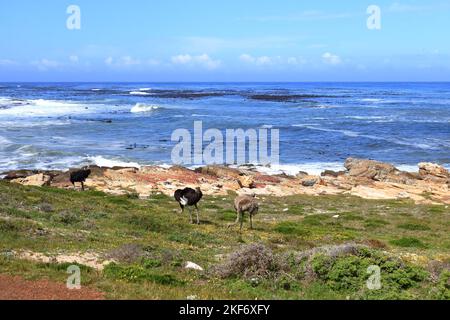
<point>17,288</point>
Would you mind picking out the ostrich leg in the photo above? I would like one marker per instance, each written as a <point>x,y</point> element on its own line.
<point>196,207</point>
<point>241,214</point>
<point>190,214</point>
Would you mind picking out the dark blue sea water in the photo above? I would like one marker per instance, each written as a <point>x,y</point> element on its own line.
<point>61,125</point>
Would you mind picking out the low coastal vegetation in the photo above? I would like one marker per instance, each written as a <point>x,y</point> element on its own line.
<point>301,246</point>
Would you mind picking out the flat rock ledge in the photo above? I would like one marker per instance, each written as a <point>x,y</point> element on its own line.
<point>364,178</point>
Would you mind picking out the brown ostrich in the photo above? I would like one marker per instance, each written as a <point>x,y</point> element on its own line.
<point>243,204</point>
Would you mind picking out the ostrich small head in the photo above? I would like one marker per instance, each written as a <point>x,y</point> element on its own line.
<point>198,189</point>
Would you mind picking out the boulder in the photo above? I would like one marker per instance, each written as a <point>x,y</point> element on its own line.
<point>192,265</point>
<point>18,174</point>
<point>309,182</point>
<point>246,181</point>
<point>301,174</point>
<point>62,180</point>
<point>39,180</point>
<point>432,169</point>
<point>378,171</point>
<point>369,168</point>
<point>331,173</point>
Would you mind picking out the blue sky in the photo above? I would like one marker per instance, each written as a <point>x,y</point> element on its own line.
<point>245,40</point>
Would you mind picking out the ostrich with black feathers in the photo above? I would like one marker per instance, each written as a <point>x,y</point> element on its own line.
<point>189,197</point>
<point>79,176</point>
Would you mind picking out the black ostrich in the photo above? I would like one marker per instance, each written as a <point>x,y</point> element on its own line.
<point>79,176</point>
<point>189,197</point>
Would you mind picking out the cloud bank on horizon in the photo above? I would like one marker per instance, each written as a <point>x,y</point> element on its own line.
<point>253,40</point>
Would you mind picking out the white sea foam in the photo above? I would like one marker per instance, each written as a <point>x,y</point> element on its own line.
<point>145,89</point>
<point>104,162</point>
<point>200,115</point>
<point>407,167</point>
<point>139,93</point>
<point>366,117</point>
<point>140,107</point>
<point>43,107</point>
<point>4,141</point>
<point>371,100</point>
<point>314,168</point>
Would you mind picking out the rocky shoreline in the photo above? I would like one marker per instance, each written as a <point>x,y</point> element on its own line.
<point>364,178</point>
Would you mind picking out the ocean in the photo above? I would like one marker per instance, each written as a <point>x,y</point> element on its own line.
<point>63,125</point>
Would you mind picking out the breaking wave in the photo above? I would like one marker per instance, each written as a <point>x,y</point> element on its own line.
<point>140,107</point>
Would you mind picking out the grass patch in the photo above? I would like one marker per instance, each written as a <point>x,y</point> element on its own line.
<point>409,243</point>
<point>306,254</point>
<point>414,227</point>
<point>292,229</point>
<point>375,223</point>
<point>135,273</point>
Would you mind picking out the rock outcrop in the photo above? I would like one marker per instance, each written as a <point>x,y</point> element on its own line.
<point>365,178</point>
<point>39,180</point>
<point>432,171</point>
<point>376,170</point>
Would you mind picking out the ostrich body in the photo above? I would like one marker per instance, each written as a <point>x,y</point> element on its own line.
<point>243,204</point>
<point>79,176</point>
<point>188,197</point>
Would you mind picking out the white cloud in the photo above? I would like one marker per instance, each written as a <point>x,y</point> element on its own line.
<point>247,58</point>
<point>330,58</point>
<point>74,58</point>
<point>127,61</point>
<point>182,59</point>
<point>45,64</point>
<point>266,60</point>
<point>209,63</point>
<point>7,62</point>
<point>202,60</point>
<point>262,60</point>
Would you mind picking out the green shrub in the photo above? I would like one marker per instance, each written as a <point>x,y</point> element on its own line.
<point>443,286</point>
<point>409,243</point>
<point>151,263</point>
<point>314,220</point>
<point>349,273</point>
